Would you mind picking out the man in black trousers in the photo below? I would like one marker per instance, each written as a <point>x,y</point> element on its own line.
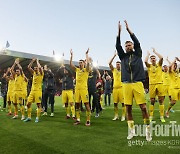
<point>49,91</point>
<point>92,90</point>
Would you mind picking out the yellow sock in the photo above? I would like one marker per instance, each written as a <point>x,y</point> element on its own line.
<point>73,110</point>
<point>116,111</point>
<point>38,112</point>
<point>130,124</point>
<point>88,114</point>
<point>151,110</point>
<point>22,110</point>
<point>68,111</point>
<point>29,112</point>
<point>78,114</point>
<point>146,121</point>
<point>123,111</point>
<point>161,109</point>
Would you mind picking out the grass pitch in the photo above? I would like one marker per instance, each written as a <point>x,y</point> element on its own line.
<point>58,135</point>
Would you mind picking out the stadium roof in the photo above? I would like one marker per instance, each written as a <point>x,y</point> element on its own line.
<point>7,58</point>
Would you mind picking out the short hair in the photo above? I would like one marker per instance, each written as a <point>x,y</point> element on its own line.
<point>128,42</point>
<point>81,60</point>
<point>118,62</point>
<point>17,69</point>
<point>152,56</point>
<point>164,65</point>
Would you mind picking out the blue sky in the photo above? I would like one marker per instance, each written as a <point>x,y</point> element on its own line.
<point>41,26</point>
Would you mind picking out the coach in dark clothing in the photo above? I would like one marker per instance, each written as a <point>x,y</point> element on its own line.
<point>92,90</point>
<point>49,87</point>
<point>107,88</point>
<point>66,75</point>
<point>4,87</point>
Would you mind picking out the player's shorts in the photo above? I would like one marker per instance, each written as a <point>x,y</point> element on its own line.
<point>166,89</point>
<point>10,97</point>
<point>133,90</point>
<point>175,95</point>
<point>170,90</point>
<point>17,98</point>
<point>118,95</point>
<point>156,90</point>
<point>81,95</point>
<point>24,95</point>
<point>35,97</point>
<point>67,96</point>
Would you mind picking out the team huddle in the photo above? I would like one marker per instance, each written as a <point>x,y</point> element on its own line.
<point>128,77</point>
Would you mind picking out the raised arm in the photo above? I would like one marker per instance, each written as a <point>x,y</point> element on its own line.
<point>30,66</point>
<point>87,60</point>
<point>8,70</point>
<point>160,57</point>
<point>13,66</point>
<point>71,64</point>
<point>119,48</point>
<point>146,59</point>
<point>127,28</point>
<point>110,62</point>
<point>167,59</point>
<point>20,68</point>
<point>99,74</point>
<point>137,46</point>
<point>39,66</point>
<point>25,78</point>
<point>171,65</point>
<point>178,59</point>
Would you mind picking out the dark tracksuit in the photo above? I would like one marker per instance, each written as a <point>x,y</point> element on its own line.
<point>107,92</point>
<point>93,91</point>
<point>4,87</point>
<point>67,79</point>
<point>49,91</point>
<point>132,69</point>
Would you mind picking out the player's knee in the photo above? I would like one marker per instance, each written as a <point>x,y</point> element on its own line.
<point>128,109</point>
<point>143,109</point>
<point>115,104</point>
<point>77,106</point>
<point>153,101</point>
<point>161,99</point>
<point>28,105</point>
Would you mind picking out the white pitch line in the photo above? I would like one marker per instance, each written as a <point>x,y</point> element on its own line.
<point>154,109</point>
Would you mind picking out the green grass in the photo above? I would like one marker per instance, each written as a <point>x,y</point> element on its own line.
<point>57,135</point>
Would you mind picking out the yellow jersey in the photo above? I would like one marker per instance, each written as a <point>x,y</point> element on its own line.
<point>117,78</point>
<point>24,86</point>
<point>81,78</point>
<point>11,85</point>
<point>175,77</point>
<point>166,78</point>
<point>155,74</point>
<point>18,81</point>
<point>37,81</point>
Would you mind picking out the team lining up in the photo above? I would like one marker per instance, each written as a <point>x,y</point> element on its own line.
<point>128,76</point>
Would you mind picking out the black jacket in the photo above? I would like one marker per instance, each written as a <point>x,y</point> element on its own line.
<point>67,79</point>
<point>132,69</point>
<point>49,84</point>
